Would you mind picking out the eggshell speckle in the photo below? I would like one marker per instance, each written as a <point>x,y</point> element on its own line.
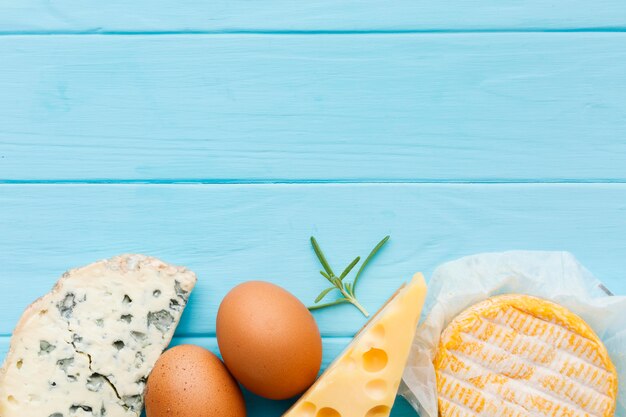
<point>190,381</point>
<point>269,340</point>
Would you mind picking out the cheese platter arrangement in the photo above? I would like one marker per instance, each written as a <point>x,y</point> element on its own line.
<point>518,334</point>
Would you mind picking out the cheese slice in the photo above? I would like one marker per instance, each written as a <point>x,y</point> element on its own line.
<point>521,356</point>
<point>364,379</point>
<point>86,348</point>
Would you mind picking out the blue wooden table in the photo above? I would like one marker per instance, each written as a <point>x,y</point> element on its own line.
<point>221,134</point>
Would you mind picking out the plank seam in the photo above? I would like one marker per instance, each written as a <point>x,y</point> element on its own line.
<point>235,181</point>
<point>261,32</point>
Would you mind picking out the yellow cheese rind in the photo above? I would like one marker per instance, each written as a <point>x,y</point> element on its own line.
<point>364,379</point>
<point>517,355</point>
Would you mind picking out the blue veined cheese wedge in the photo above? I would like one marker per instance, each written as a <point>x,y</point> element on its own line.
<point>521,356</point>
<point>87,347</point>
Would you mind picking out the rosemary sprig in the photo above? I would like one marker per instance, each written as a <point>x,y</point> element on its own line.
<point>348,289</point>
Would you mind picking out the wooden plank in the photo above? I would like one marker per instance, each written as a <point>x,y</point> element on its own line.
<point>90,16</point>
<point>230,233</point>
<point>408,107</point>
<point>259,407</point>
<point>233,233</point>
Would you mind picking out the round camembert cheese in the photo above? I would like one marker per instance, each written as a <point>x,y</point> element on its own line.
<point>521,356</point>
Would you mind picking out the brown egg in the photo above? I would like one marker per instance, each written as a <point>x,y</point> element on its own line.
<point>269,340</point>
<point>190,381</point>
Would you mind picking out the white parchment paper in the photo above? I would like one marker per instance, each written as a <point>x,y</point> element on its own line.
<point>555,276</point>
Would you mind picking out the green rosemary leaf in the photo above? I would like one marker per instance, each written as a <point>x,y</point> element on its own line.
<point>337,282</point>
<point>369,257</point>
<point>349,267</point>
<point>332,303</point>
<point>347,289</point>
<point>323,294</point>
<point>321,257</point>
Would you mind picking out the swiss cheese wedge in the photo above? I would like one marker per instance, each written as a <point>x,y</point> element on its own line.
<point>516,355</point>
<point>364,379</point>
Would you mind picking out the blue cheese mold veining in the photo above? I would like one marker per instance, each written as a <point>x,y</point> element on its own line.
<point>86,348</point>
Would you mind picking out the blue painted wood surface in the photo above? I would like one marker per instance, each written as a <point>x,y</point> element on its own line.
<point>114,16</point>
<point>221,135</point>
<point>401,107</point>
